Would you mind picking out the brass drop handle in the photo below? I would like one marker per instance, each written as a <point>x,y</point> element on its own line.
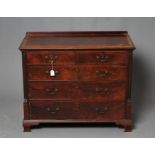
<point>56,71</point>
<point>102,73</point>
<point>52,92</point>
<point>53,110</point>
<point>50,58</point>
<point>102,58</point>
<point>46,57</point>
<point>54,57</point>
<point>101,110</point>
<point>102,91</point>
<point>47,90</point>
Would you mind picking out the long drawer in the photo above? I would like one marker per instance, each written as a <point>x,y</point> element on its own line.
<point>77,90</point>
<point>80,72</point>
<point>45,57</point>
<point>81,57</point>
<point>69,110</point>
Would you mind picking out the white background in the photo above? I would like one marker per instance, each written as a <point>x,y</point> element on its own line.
<point>79,8</point>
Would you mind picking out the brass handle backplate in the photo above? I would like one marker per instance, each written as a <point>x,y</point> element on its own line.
<point>101,110</point>
<point>102,91</point>
<point>52,91</point>
<point>102,58</point>
<point>53,110</point>
<point>50,58</point>
<point>102,73</point>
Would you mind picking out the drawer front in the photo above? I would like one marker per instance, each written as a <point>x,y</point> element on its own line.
<point>68,110</point>
<point>101,110</point>
<point>103,91</point>
<point>53,90</point>
<point>97,91</point>
<point>58,110</point>
<point>77,73</point>
<point>103,57</point>
<point>43,73</point>
<point>93,72</point>
<point>45,57</point>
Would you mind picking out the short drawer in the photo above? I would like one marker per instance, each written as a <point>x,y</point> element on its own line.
<point>43,73</point>
<point>101,110</point>
<point>68,110</point>
<point>53,90</point>
<point>45,57</point>
<point>98,72</point>
<point>58,110</point>
<point>103,57</point>
<point>103,91</point>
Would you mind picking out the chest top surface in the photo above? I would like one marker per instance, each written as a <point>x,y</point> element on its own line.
<point>77,40</point>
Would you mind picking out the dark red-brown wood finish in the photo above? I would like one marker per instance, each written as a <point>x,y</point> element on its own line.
<point>92,81</point>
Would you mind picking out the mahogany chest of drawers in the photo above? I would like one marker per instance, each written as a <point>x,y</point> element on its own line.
<point>77,77</point>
